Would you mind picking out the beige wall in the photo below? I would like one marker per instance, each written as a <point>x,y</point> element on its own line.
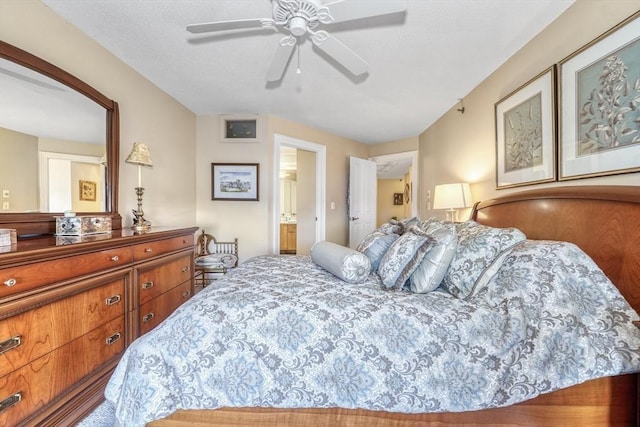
<point>461,147</point>
<point>146,113</point>
<point>251,222</point>
<point>393,147</point>
<point>385,209</point>
<point>18,171</point>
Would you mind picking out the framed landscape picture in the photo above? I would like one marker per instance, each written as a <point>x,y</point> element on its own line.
<point>600,105</point>
<point>235,181</point>
<point>525,133</point>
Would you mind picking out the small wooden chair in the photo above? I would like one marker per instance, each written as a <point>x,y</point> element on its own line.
<point>213,259</point>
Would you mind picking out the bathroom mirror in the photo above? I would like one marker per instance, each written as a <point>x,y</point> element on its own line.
<point>59,145</point>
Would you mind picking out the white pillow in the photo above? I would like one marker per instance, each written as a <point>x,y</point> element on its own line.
<point>345,263</point>
<point>217,260</point>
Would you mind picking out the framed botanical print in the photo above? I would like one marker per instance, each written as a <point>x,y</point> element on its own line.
<point>525,133</point>
<point>235,181</point>
<point>600,105</point>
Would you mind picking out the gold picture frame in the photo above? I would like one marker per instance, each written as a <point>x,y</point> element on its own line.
<point>88,190</point>
<point>599,93</point>
<point>525,133</point>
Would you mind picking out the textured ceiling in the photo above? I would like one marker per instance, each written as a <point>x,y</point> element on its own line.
<point>420,62</point>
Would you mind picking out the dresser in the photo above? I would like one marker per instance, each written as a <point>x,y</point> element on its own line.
<point>70,306</point>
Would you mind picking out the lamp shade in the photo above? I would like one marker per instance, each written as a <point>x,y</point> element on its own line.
<point>140,155</point>
<point>452,196</point>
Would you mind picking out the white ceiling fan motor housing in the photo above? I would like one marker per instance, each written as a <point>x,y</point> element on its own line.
<point>298,16</point>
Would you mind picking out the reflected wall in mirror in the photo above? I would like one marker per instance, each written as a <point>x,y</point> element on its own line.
<point>55,131</point>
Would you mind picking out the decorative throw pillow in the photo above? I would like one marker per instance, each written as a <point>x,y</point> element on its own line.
<point>479,255</point>
<point>375,245</point>
<point>391,227</point>
<point>403,257</point>
<point>407,223</point>
<point>429,274</point>
<point>345,263</point>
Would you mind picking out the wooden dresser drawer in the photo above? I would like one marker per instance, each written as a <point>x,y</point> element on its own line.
<point>40,382</point>
<point>152,249</point>
<point>153,279</point>
<point>27,277</point>
<point>44,328</point>
<point>159,308</point>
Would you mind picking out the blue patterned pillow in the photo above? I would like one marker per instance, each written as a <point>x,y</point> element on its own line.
<point>344,263</point>
<point>433,267</point>
<point>479,255</point>
<point>403,257</point>
<point>391,227</point>
<point>375,245</point>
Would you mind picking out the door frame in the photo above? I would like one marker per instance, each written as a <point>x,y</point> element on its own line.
<point>321,183</point>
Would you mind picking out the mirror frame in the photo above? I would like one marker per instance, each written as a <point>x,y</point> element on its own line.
<point>30,224</point>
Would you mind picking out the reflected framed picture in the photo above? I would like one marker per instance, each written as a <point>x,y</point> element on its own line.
<point>398,198</point>
<point>239,128</point>
<point>88,190</point>
<point>600,105</point>
<point>525,133</point>
<point>235,181</point>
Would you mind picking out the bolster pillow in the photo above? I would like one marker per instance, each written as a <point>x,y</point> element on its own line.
<point>345,263</point>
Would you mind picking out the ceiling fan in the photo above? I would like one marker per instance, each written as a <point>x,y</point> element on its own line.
<point>297,18</point>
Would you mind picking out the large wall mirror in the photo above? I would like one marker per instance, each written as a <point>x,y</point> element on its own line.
<point>59,145</point>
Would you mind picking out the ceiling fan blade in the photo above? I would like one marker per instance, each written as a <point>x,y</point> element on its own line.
<point>345,10</point>
<point>239,24</point>
<point>341,53</point>
<point>281,59</point>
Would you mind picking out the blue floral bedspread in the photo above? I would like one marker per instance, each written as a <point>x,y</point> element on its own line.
<point>282,332</point>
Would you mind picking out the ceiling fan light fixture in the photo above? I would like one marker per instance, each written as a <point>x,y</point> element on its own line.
<point>298,26</point>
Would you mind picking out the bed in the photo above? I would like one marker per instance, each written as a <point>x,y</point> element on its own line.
<point>603,221</point>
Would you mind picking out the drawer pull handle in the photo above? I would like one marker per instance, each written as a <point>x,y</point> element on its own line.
<point>10,344</point>
<point>148,317</point>
<point>114,338</point>
<point>113,300</point>
<point>185,268</point>
<point>115,258</point>
<point>10,401</point>
<point>147,285</point>
<point>148,250</point>
<point>10,282</point>
<point>186,294</point>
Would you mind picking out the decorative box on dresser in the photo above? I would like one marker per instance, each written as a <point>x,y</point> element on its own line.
<point>68,310</point>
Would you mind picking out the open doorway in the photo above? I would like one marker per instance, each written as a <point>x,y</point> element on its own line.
<point>397,176</point>
<point>309,205</point>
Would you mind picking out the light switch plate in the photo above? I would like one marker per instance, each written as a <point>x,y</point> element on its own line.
<point>5,194</point>
<point>5,206</point>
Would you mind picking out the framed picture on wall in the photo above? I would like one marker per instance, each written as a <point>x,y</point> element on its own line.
<point>239,128</point>
<point>525,133</point>
<point>235,181</point>
<point>398,198</point>
<point>600,105</point>
<point>88,190</point>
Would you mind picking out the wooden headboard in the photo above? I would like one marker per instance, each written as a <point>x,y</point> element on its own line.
<point>604,221</point>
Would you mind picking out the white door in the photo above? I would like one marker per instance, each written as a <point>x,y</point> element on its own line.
<point>362,199</point>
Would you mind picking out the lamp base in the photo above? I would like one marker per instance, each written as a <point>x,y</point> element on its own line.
<point>451,215</point>
<point>139,223</point>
